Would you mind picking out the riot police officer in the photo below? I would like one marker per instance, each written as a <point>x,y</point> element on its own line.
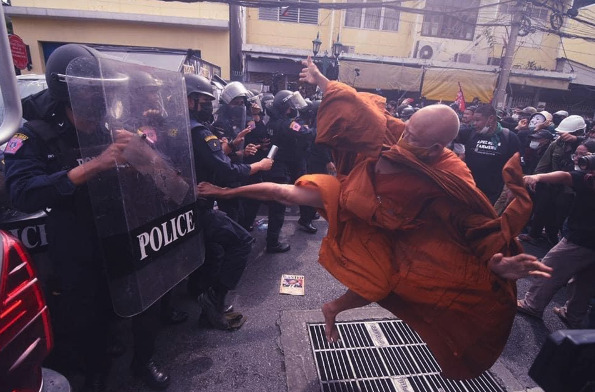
<point>319,161</point>
<point>227,243</point>
<point>46,170</point>
<point>293,140</point>
<point>261,140</point>
<point>42,172</point>
<point>232,116</point>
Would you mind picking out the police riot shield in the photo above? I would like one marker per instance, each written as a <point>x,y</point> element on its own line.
<point>143,205</point>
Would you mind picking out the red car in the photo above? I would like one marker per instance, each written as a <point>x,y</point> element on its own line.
<point>25,330</point>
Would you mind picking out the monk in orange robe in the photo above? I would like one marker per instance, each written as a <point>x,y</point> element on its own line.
<point>408,229</point>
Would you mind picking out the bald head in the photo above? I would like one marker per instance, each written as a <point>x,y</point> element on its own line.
<point>434,124</point>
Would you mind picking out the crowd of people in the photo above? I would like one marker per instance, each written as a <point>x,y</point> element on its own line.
<point>349,156</point>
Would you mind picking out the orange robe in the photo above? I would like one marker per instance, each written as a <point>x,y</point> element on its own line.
<point>417,241</point>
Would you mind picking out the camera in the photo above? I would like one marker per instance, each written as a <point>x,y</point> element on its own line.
<point>587,162</point>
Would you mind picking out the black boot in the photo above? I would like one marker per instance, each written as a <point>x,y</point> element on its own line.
<point>151,374</point>
<point>212,304</point>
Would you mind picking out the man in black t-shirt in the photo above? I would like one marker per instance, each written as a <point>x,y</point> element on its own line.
<point>487,148</point>
<point>574,256</point>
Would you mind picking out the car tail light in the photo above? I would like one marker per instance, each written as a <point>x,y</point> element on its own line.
<point>21,297</point>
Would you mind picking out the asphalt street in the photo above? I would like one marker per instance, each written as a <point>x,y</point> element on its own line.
<point>252,358</point>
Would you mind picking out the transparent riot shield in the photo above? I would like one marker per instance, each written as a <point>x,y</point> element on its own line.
<point>144,207</point>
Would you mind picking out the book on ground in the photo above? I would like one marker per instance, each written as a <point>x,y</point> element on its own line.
<point>292,284</point>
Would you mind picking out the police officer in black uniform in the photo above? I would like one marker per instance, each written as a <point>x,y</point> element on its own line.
<point>293,139</point>
<point>227,244</point>
<point>44,170</point>
<point>259,137</point>
<point>319,161</point>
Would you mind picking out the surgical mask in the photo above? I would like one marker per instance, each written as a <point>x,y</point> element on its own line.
<point>534,145</point>
<point>515,117</point>
<point>484,130</point>
<point>421,153</point>
<point>577,168</point>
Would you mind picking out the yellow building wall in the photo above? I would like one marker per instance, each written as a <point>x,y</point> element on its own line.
<point>214,45</point>
<point>331,23</point>
<point>148,7</point>
<point>285,34</point>
<point>544,55</point>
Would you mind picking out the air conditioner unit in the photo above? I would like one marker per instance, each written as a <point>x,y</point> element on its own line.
<point>426,50</point>
<point>348,49</point>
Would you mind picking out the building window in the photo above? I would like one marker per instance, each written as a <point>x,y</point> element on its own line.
<point>533,12</point>
<point>380,18</point>
<point>291,14</point>
<point>457,25</point>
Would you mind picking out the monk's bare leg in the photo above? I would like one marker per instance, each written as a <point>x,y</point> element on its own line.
<point>330,310</point>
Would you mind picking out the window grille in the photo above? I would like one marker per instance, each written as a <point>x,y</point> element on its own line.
<point>456,25</point>
<point>291,14</point>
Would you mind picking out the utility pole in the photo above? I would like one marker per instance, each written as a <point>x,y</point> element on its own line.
<point>500,93</point>
<point>236,63</point>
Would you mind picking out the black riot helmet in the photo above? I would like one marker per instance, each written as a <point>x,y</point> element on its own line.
<point>196,84</point>
<point>406,112</point>
<point>267,101</point>
<point>285,100</point>
<point>56,68</point>
<point>146,90</point>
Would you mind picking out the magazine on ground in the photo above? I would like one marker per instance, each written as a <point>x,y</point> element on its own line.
<point>292,284</point>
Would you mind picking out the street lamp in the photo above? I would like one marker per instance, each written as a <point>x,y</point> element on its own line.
<point>337,48</point>
<point>316,44</point>
<point>326,62</point>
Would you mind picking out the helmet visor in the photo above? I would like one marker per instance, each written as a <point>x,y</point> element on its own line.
<point>296,101</point>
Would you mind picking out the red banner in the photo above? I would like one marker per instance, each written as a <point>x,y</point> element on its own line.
<point>460,99</point>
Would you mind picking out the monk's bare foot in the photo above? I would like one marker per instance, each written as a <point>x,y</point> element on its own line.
<point>330,329</point>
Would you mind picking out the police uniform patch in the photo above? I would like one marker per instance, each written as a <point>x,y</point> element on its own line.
<point>213,142</point>
<point>15,143</point>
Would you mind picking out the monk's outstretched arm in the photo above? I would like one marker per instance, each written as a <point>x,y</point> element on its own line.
<point>282,193</point>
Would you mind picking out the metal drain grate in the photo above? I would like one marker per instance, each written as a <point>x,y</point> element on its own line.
<point>383,355</point>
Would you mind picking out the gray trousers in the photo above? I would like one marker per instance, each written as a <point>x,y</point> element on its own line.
<point>569,261</point>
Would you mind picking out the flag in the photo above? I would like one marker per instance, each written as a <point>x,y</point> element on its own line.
<point>460,99</point>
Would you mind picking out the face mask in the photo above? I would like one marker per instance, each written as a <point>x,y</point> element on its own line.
<point>206,112</point>
<point>421,153</point>
<point>534,145</point>
<point>485,130</point>
<point>577,168</point>
<point>515,117</point>
<point>535,121</point>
